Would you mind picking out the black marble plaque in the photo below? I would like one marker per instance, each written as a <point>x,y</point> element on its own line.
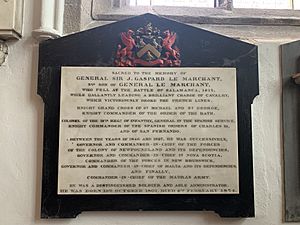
<point>99,47</point>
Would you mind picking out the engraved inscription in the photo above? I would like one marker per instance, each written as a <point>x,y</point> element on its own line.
<point>148,131</point>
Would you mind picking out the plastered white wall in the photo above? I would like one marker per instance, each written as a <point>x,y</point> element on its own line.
<point>21,127</point>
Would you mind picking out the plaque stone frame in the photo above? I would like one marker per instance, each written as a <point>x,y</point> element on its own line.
<point>97,48</point>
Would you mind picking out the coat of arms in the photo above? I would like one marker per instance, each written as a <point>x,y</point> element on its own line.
<point>147,46</point>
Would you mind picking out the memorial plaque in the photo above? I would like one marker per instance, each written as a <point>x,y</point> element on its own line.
<point>147,114</point>
<point>290,66</point>
<point>148,131</point>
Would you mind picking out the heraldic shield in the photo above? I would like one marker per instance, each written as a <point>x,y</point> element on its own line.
<point>147,46</point>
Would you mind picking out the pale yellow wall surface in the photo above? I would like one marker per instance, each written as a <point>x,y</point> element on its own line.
<point>21,134</point>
